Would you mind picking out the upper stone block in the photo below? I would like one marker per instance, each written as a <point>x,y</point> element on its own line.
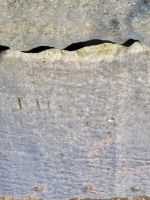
<point>26,24</point>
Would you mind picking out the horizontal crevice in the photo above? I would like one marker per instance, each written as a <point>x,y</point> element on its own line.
<point>80,45</point>
<point>74,46</point>
<point>38,49</point>
<point>3,48</point>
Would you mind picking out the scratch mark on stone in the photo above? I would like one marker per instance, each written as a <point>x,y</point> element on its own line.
<point>109,140</point>
<point>134,170</point>
<point>128,170</point>
<point>20,106</point>
<point>38,104</point>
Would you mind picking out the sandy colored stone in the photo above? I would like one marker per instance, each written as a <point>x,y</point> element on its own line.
<point>33,198</point>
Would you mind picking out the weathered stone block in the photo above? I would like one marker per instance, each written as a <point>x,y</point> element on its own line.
<point>75,124</point>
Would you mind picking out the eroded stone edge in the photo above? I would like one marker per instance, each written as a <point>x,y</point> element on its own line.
<point>93,53</point>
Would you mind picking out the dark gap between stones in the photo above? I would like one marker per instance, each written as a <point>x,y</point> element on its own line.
<point>38,49</point>
<point>74,46</point>
<point>3,48</point>
<point>129,42</point>
<point>79,45</point>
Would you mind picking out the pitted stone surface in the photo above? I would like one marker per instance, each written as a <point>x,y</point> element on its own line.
<point>25,24</point>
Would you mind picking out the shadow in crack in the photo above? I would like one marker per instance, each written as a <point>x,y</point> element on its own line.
<point>129,42</point>
<point>38,49</point>
<point>2,51</point>
<point>74,46</point>
<point>3,48</point>
<point>79,45</point>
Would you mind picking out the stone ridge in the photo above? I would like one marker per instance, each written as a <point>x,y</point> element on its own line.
<point>95,53</point>
<point>56,23</point>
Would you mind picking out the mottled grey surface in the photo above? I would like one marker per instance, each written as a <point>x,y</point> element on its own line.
<point>25,24</point>
<point>56,122</point>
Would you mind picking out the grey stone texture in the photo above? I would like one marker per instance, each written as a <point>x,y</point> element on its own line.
<point>75,124</point>
<point>26,24</point>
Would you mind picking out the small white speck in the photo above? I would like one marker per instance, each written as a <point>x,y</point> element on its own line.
<point>111,120</point>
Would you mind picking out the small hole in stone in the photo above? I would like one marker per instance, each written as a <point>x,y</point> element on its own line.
<point>136,188</point>
<point>38,189</point>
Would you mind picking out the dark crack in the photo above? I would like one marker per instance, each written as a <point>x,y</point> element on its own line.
<point>80,45</point>
<point>74,46</point>
<point>3,48</point>
<point>38,49</point>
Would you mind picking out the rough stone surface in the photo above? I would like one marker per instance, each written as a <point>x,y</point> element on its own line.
<point>25,24</point>
<point>26,198</point>
<point>75,120</point>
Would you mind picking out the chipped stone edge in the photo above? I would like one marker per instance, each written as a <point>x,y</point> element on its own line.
<point>93,53</point>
